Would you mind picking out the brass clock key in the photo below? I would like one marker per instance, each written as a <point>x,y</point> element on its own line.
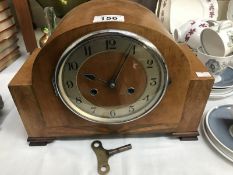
<point>103,155</point>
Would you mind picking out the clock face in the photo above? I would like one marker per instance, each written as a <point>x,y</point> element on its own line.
<point>111,76</point>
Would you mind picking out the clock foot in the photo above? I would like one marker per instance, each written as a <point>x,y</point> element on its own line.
<point>39,141</point>
<point>187,136</point>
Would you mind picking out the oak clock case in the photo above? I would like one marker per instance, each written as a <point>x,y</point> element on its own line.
<point>110,79</point>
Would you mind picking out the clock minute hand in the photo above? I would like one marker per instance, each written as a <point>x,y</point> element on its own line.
<point>112,82</point>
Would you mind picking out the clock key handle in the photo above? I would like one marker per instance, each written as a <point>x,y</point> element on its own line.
<point>111,152</point>
<point>103,155</point>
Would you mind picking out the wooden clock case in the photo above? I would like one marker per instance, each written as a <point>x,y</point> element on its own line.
<point>46,118</point>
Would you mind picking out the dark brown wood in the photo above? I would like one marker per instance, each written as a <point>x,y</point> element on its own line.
<point>49,118</point>
<point>25,23</point>
<point>187,136</point>
<point>190,138</point>
<point>39,141</point>
<point>128,74</point>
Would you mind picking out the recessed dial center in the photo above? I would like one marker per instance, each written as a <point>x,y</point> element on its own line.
<point>129,86</point>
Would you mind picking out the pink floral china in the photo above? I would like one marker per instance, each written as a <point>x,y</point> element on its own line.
<point>190,32</point>
<point>174,13</point>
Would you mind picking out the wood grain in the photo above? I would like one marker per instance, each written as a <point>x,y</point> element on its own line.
<point>130,77</point>
<point>25,23</point>
<point>175,113</point>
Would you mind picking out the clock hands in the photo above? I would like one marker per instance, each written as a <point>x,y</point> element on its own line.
<point>91,76</point>
<point>112,82</point>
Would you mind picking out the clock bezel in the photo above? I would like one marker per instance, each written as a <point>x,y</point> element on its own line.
<point>90,117</point>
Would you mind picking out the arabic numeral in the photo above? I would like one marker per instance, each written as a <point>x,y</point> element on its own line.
<point>146,98</point>
<point>131,108</point>
<point>153,81</point>
<point>110,44</point>
<point>69,84</point>
<point>150,63</point>
<point>112,113</point>
<point>109,18</point>
<point>93,109</point>
<point>72,65</point>
<point>78,100</point>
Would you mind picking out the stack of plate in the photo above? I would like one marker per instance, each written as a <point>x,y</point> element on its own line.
<point>9,50</point>
<point>218,129</point>
<point>174,13</point>
<point>223,86</point>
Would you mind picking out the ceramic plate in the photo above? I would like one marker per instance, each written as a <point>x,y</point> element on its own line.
<point>164,13</point>
<point>225,79</point>
<point>230,10</point>
<point>221,91</point>
<point>218,128</point>
<point>219,95</point>
<point>182,11</point>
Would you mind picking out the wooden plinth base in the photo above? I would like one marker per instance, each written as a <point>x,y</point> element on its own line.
<point>43,141</point>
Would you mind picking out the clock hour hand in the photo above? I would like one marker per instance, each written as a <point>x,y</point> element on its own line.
<point>91,76</point>
<point>112,82</point>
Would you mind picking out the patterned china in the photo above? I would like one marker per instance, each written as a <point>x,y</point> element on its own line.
<point>190,32</point>
<point>214,64</point>
<point>174,13</point>
<point>221,69</point>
